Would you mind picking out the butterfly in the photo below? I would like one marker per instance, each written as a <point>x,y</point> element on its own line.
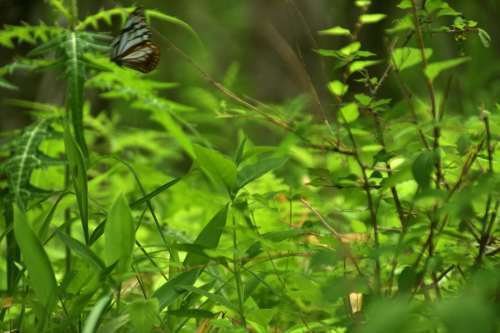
<point>133,47</point>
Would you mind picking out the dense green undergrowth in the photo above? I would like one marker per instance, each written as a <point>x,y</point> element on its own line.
<point>367,213</point>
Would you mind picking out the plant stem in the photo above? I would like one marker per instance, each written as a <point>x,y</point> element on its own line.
<point>237,273</point>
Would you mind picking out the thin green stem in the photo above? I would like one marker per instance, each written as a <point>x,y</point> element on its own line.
<point>237,273</point>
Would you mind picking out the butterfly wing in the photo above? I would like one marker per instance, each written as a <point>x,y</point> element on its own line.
<point>133,47</point>
<point>143,57</point>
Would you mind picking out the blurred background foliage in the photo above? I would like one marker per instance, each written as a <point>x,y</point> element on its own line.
<point>240,43</point>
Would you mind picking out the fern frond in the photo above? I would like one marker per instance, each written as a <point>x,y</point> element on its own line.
<point>143,94</point>
<point>31,34</point>
<point>59,7</point>
<point>25,158</point>
<point>105,16</point>
<point>24,64</point>
<point>6,84</point>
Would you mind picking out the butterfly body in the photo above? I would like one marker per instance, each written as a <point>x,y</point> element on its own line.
<point>133,47</point>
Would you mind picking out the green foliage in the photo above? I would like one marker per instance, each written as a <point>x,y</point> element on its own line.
<point>367,202</point>
<point>25,158</point>
<point>41,274</point>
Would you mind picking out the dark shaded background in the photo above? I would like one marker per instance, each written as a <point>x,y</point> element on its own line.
<point>247,34</point>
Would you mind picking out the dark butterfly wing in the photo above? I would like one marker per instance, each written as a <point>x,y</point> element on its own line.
<point>143,57</point>
<point>133,47</point>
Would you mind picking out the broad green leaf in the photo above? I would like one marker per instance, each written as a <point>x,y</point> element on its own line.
<point>406,57</point>
<point>78,176</point>
<point>335,31</point>
<point>338,88</point>
<point>40,272</point>
<point>434,69</point>
<point>119,235</point>
<point>144,314</point>
<point>422,168</point>
<point>372,18</point>
<point>253,171</point>
<point>216,166</point>
<point>349,113</point>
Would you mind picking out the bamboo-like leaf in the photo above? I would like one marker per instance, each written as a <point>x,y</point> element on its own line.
<point>216,166</point>
<point>78,175</point>
<point>93,319</point>
<point>41,274</point>
<point>119,235</point>
<point>75,72</point>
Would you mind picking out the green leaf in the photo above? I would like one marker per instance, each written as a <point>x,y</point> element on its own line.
<point>338,88</point>
<point>264,165</point>
<point>75,72</point>
<point>422,168</point>
<point>359,65</point>
<point>484,37</point>
<point>208,239</point>
<point>154,193</point>
<point>217,299</point>
<point>78,175</point>
<point>119,235</point>
<point>80,249</point>
<point>407,280</point>
<point>41,274</point>
<point>95,314</point>
<point>216,166</point>
<point>335,31</point>
<point>406,57</point>
<point>144,315</point>
<point>434,69</point>
<point>372,18</point>
<point>6,84</point>
<point>165,119</point>
<point>349,113</point>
